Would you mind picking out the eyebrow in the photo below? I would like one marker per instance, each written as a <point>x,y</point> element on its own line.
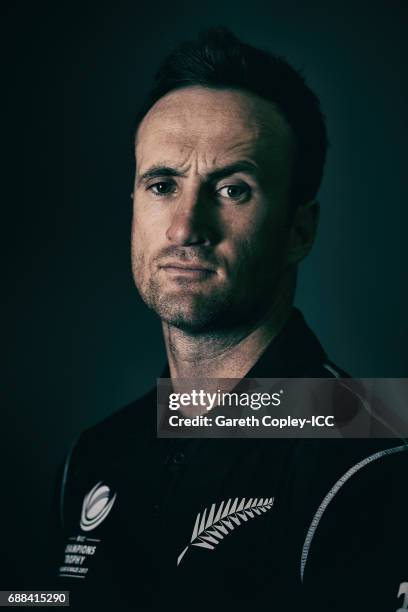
<point>160,171</point>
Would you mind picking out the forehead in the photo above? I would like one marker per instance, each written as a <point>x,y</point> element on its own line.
<point>218,124</point>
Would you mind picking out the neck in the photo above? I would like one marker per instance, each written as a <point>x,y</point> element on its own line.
<point>225,353</point>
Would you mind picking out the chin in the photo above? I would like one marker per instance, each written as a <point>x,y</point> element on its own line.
<point>192,314</point>
<point>198,312</point>
<point>192,320</point>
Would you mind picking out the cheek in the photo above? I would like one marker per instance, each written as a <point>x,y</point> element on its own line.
<point>149,224</point>
<point>142,232</point>
<point>139,248</point>
<point>257,243</point>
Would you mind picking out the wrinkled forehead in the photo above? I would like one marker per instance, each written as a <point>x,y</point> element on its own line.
<point>218,125</point>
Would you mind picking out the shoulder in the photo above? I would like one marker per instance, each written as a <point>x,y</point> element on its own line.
<point>106,444</point>
<point>114,433</point>
<point>121,427</point>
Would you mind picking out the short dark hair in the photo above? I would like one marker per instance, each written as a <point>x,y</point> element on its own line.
<point>218,59</point>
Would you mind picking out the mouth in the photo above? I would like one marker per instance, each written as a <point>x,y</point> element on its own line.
<point>187,270</point>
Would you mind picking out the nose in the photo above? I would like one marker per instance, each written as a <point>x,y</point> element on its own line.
<point>192,220</point>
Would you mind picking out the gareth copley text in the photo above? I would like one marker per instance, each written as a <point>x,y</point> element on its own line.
<point>251,421</point>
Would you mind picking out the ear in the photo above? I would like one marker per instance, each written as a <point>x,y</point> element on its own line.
<point>303,231</point>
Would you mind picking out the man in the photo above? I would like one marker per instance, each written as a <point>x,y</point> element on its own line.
<point>230,149</point>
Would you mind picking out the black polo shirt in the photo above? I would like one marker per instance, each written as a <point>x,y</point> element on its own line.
<point>148,523</point>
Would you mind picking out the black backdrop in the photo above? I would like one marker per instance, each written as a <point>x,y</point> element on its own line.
<point>78,342</point>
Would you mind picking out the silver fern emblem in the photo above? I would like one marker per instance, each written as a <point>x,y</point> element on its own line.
<point>210,530</point>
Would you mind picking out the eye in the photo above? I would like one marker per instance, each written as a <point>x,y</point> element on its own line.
<point>236,192</point>
<point>162,188</point>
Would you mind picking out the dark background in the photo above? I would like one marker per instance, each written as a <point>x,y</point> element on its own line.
<point>78,342</point>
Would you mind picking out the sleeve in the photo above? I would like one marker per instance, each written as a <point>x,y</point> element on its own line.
<point>56,523</point>
<point>358,560</point>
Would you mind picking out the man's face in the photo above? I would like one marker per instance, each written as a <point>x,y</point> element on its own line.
<point>211,207</point>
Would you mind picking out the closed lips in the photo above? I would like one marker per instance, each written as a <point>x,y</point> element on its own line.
<point>188,267</point>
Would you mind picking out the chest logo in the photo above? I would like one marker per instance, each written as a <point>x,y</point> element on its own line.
<point>96,506</point>
<point>211,528</point>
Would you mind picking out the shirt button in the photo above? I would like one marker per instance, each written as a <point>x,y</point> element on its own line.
<point>179,458</point>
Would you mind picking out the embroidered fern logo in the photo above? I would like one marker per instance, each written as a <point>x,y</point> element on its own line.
<point>403,590</point>
<point>210,529</point>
